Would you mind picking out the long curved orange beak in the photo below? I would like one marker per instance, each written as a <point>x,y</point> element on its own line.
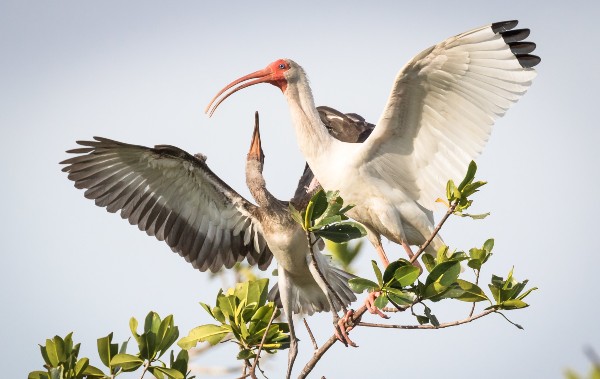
<point>256,151</point>
<point>265,75</point>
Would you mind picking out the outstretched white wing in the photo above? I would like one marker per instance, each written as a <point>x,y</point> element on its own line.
<point>443,105</point>
<point>173,196</point>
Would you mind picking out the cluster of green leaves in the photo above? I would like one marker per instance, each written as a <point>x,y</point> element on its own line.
<point>400,283</point>
<point>61,361</point>
<point>243,313</point>
<point>459,195</point>
<point>508,293</point>
<point>325,216</point>
<point>61,357</point>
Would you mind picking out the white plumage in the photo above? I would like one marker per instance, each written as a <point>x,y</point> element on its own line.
<point>438,117</point>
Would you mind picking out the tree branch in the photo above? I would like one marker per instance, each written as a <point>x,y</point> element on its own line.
<point>262,342</point>
<point>429,326</point>
<point>435,232</point>
<point>312,337</point>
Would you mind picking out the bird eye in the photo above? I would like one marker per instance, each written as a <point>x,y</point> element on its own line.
<point>281,66</point>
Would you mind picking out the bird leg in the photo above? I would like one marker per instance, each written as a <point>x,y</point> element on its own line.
<point>370,304</point>
<point>382,256</point>
<point>293,351</point>
<point>345,325</point>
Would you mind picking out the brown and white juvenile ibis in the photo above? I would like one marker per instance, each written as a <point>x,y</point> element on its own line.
<point>175,197</point>
<point>437,119</point>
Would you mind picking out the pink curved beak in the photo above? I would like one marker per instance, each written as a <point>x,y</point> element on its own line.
<point>261,76</point>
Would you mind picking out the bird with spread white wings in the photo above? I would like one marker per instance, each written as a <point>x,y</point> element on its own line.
<point>437,119</point>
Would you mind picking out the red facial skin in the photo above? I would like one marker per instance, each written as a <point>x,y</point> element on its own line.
<point>273,74</point>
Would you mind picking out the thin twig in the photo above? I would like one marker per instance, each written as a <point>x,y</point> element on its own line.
<point>429,326</point>
<point>477,284</point>
<point>146,365</point>
<point>312,337</point>
<point>323,349</point>
<point>262,342</point>
<point>394,309</point>
<point>435,232</point>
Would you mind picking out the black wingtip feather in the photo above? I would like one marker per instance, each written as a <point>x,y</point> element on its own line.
<point>528,60</point>
<point>503,26</point>
<point>515,35</point>
<point>521,47</point>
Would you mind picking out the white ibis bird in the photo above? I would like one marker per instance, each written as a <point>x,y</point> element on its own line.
<point>175,197</point>
<point>437,119</point>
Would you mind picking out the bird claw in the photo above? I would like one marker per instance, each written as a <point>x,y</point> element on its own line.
<point>343,326</point>
<point>370,304</point>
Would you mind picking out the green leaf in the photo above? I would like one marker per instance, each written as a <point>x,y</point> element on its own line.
<point>171,373</point>
<point>469,176</point>
<point>400,297</point>
<point>471,188</point>
<point>210,333</point>
<point>444,273</point>
<point>106,349</point>
<point>526,293</point>
<point>381,301</point>
<point>81,365</point>
<point>422,319</point>
<point>479,216</point>
<point>127,362</point>
<point>428,261</point>
<point>59,345</point>
<point>167,334</point>
<point>320,204</point>
<point>38,375</point>
<point>358,285</point>
<point>434,291</point>
<point>341,232</point>
<point>388,273</point>
<point>133,325</point>
<point>407,275</point>
<point>513,304</point>
<point>472,293</point>
<point>93,372</point>
<point>245,354</point>
<point>181,362</point>
<point>295,214</point>
<point>51,352</point>
<point>452,192</point>
<point>377,273</point>
<point>434,321</point>
<point>488,245</point>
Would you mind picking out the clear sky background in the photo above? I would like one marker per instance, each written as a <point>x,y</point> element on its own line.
<point>142,72</point>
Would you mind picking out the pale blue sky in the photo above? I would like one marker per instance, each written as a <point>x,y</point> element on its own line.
<point>142,72</point>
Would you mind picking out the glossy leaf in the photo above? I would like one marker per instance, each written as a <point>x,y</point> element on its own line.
<point>127,362</point>
<point>377,272</point>
<point>469,176</point>
<point>210,333</point>
<point>169,372</point>
<point>444,273</point>
<point>106,349</point>
<point>381,301</point>
<point>358,285</point>
<point>407,275</point>
<point>472,293</point>
<point>400,297</point>
<point>341,232</point>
